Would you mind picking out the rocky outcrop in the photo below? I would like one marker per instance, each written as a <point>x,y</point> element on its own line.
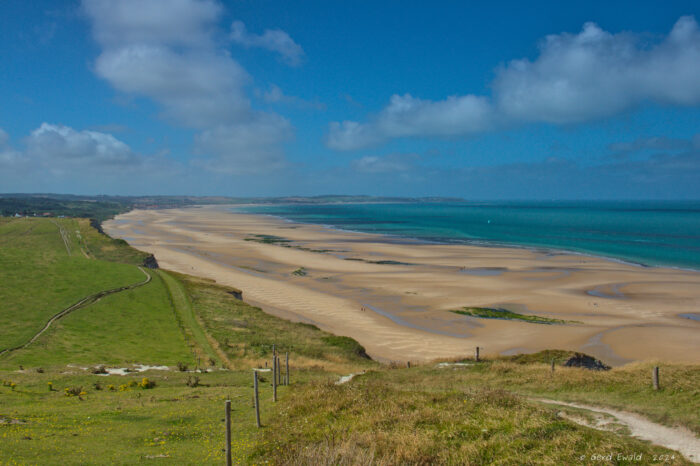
<point>587,362</point>
<point>97,225</point>
<point>150,262</point>
<point>238,294</point>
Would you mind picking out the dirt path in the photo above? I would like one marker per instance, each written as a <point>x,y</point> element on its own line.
<point>64,236</point>
<point>88,300</point>
<point>679,439</point>
<point>348,378</point>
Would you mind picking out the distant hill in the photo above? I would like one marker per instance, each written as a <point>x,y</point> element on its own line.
<point>102,207</point>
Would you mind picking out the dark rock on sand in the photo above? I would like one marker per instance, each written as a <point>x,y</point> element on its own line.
<point>150,262</point>
<point>587,362</point>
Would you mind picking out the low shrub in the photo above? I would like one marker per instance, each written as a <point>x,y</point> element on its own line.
<point>146,384</point>
<point>193,381</point>
<point>74,391</point>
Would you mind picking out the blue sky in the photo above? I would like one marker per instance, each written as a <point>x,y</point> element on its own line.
<point>550,100</point>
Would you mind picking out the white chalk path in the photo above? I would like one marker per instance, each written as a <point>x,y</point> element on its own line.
<point>679,439</point>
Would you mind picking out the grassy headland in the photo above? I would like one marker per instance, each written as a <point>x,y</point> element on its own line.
<point>475,413</point>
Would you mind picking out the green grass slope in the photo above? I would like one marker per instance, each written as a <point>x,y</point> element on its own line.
<point>40,278</point>
<point>135,326</point>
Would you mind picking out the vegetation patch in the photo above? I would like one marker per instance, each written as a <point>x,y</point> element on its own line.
<point>269,239</point>
<point>504,314</point>
<point>284,242</point>
<point>300,272</point>
<point>347,344</point>
<point>380,262</point>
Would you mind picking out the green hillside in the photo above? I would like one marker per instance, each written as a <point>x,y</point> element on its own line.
<point>55,410</point>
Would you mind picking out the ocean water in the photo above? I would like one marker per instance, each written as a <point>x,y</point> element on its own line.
<point>648,233</point>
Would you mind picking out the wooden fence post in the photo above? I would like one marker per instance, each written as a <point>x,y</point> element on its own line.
<point>552,364</point>
<point>655,377</point>
<point>274,378</point>
<point>257,399</point>
<point>279,371</point>
<point>286,372</point>
<point>476,354</point>
<point>228,433</point>
<point>408,364</point>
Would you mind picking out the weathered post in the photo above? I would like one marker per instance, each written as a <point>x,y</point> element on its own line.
<point>228,433</point>
<point>274,378</point>
<point>257,400</point>
<point>279,370</point>
<point>286,369</point>
<point>476,354</point>
<point>408,364</point>
<point>655,377</point>
<point>552,364</point>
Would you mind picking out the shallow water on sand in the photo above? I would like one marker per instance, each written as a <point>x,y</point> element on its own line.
<point>653,233</point>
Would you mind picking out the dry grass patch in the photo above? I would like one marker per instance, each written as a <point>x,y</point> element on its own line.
<point>377,419</point>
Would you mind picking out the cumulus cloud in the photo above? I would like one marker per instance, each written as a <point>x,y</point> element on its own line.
<point>59,150</point>
<point>408,116</point>
<point>196,89</point>
<point>171,53</point>
<point>138,22</point>
<point>57,158</point>
<point>59,146</point>
<point>274,40</point>
<point>596,74</point>
<point>575,78</point>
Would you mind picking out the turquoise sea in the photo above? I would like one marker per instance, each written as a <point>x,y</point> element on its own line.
<point>648,233</point>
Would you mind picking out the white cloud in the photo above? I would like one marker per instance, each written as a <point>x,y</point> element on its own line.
<point>154,22</point>
<point>248,148</point>
<point>575,78</point>
<point>56,150</point>
<point>408,116</point>
<point>170,52</point>
<point>596,74</point>
<point>56,158</point>
<point>274,40</point>
<point>196,89</point>
<point>59,146</point>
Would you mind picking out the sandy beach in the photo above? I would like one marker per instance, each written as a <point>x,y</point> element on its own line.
<point>394,296</point>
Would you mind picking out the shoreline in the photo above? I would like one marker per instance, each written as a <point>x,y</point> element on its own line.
<point>476,242</point>
<point>395,298</point>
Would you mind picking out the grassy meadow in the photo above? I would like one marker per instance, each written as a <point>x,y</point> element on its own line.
<point>55,410</point>
<point>40,277</point>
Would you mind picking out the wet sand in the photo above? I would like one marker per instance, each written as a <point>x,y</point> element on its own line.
<point>400,310</point>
